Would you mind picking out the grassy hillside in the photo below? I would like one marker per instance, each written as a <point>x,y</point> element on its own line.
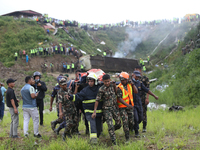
<point>182,75</point>
<point>26,34</point>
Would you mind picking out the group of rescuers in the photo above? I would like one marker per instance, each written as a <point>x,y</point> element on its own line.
<point>102,102</point>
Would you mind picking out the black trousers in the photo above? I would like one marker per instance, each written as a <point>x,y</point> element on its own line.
<point>79,106</point>
<point>40,105</point>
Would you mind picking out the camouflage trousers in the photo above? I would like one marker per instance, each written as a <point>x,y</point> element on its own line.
<point>110,114</point>
<point>127,119</point>
<point>71,122</point>
<point>144,106</point>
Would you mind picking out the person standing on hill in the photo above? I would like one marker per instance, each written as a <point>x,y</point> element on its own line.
<point>40,87</point>
<point>24,53</point>
<point>2,105</point>
<point>12,103</point>
<point>27,58</point>
<point>16,55</point>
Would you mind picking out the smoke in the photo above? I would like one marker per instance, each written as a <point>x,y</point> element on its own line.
<point>127,47</point>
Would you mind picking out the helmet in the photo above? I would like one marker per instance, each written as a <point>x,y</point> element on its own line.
<point>124,75</point>
<point>148,56</point>
<point>93,76</point>
<point>37,74</point>
<point>140,58</point>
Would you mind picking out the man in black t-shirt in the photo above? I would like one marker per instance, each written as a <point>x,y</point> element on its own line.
<point>12,103</point>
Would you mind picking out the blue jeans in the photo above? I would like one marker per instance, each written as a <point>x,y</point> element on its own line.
<point>1,110</point>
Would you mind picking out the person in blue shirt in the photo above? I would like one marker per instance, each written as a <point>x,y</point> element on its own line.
<point>27,58</point>
<point>138,110</point>
<point>64,68</point>
<point>2,105</point>
<point>29,106</point>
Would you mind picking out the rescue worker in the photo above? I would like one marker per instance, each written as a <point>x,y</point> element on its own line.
<point>68,68</point>
<point>104,53</point>
<point>144,97</point>
<point>56,49</point>
<point>148,59</point>
<point>88,97</point>
<point>67,109</point>
<point>125,102</point>
<point>16,55</point>
<point>144,69</point>
<point>72,67</point>
<point>138,110</point>
<point>82,68</point>
<point>51,66</point>
<point>140,61</point>
<point>107,94</point>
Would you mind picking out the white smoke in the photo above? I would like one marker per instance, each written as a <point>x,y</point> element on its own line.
<point>135,37</point>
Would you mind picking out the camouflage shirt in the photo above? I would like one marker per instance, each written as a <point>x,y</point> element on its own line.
<point>107,94</point>
<point>67,105</point>
<point>145,81</point>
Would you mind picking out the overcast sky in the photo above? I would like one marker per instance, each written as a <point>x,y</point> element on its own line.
<point>105,11</point>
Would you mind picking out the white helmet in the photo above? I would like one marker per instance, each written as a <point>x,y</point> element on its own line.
<point>93,76</point>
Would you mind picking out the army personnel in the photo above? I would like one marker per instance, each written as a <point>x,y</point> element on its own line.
<point>107,93</point>
<point>144,97</point>
<point>67,109</point>
<point>125,102</point>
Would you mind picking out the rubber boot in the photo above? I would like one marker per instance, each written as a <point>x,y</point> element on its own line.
<point>66,134</point>
<point>57,130</point>
<point>127,137</point>
<point>53,125</point>
<point>87,131</point>
<point>144,127</point>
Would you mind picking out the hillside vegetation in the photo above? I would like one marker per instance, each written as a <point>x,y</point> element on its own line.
<point>26,34</point>
<point>182,75</point>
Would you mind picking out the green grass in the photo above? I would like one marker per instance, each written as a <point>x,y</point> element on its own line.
<point>170,130</point>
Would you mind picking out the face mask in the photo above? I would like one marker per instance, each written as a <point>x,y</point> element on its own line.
<point>37,80</point>
<point>135,80</point>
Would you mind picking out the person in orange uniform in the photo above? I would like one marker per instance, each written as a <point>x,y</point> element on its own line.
<point>125,102</point>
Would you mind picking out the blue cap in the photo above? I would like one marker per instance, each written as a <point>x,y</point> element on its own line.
<point>137,73</point>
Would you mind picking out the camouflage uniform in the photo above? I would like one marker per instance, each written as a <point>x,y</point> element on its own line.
<point>110,109</point>
<point>145,81</point>
<point>69,111</point>
<point>126,115</point>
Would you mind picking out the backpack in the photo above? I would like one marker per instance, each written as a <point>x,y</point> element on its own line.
<point>1,96</point>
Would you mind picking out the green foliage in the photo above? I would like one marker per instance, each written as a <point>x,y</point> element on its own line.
<point>18,34</point>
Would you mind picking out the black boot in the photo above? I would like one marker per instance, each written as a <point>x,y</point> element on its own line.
<point>113,142</point>
<point>57,130</point>
<point>66,134</point>
<point>53,125</point>
<point>87,131</point>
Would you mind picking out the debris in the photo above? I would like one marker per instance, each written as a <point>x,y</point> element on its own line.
<point>176,108</point>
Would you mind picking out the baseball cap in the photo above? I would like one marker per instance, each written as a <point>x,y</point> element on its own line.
<point>137,73</point>
<point>63,81</point>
